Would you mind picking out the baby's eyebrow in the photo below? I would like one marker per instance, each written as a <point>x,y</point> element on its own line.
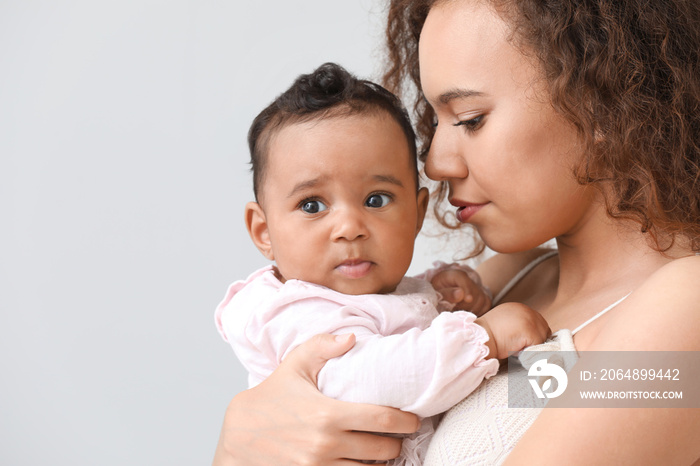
<point>304,185</point>
<point>316,181</point>
<point>389,179</point>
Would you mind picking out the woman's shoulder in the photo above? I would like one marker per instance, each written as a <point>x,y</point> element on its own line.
<point>663,314</point>
<point>689,263</point>
<point>676,281</point>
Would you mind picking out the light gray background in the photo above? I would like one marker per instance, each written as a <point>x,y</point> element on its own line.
<point>123,177</point>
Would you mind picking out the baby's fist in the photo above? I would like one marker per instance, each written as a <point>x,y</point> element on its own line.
<point>512,327</point>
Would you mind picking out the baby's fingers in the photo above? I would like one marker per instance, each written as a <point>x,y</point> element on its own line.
<point>542,326</point>
<point>453,295</point>
<point>539,332</point>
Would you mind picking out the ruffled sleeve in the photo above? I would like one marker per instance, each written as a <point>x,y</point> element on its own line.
<point>421,371</point>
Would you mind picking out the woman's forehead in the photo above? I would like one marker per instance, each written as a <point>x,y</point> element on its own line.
<point>465,47</point>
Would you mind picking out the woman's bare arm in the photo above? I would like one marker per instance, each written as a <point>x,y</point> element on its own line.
<point>662,315</point>
<point>286,420</point>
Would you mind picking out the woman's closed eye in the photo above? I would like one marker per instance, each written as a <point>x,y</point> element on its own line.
<point>377,200</point>
<point>312,206</point>
<point>472,124</point>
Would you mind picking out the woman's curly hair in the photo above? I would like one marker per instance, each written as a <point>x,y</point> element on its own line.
<point>625,73</point>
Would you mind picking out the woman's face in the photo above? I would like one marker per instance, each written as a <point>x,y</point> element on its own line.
<point>507,156</point>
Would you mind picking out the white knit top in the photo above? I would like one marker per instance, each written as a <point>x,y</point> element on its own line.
<point>482,429</point>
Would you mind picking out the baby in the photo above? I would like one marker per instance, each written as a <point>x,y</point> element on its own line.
<point>338,210</point>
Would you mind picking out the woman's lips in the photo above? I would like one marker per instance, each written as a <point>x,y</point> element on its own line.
<point>465,210</point>
<point>354,268</point>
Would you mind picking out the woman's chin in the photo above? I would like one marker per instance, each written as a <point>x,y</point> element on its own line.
<point>509,244</point>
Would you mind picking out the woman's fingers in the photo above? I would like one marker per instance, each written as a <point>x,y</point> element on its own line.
<point>365,446</point>
<point>286,420</point>
<point>314,431</point>
<point>372,418</point>
<point>309,358</point>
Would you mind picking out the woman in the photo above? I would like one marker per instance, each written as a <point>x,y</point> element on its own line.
<point>578,121</point>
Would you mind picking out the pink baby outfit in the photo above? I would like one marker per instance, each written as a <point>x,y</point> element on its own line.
<point>408,354</point>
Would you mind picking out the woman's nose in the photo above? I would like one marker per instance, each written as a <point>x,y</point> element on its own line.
<point>445,159</point>
<point>350,225</point>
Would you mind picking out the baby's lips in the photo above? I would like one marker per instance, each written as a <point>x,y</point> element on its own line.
<point>354,268</point>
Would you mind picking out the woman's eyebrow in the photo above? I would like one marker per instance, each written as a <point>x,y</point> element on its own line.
<point>452,94</point>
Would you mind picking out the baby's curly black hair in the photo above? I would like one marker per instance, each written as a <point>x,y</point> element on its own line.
<point>328,92</point>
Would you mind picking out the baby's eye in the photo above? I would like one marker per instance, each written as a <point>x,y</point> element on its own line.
<point>378,200</point>
<point>313,207</point>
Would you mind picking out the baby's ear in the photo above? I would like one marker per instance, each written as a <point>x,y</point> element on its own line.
<point>422,199</point>
<point>256,223</point>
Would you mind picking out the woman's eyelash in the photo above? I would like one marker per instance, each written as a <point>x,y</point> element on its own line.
<point>469,125</point>
<point>472,124</point>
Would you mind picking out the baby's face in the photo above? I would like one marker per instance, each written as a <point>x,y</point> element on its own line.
<point>340,205</point>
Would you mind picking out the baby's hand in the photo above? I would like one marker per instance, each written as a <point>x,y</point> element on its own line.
<point>456,287</point>
<point>512,327</point>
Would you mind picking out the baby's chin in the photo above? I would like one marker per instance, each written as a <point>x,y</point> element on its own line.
<point>367,287</point>
<point>371,283</point>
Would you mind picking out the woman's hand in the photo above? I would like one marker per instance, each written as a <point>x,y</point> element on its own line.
<point>286,420</point>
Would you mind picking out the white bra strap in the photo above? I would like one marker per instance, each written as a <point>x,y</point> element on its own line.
<point>519,276</point>
<point>600,314</point>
